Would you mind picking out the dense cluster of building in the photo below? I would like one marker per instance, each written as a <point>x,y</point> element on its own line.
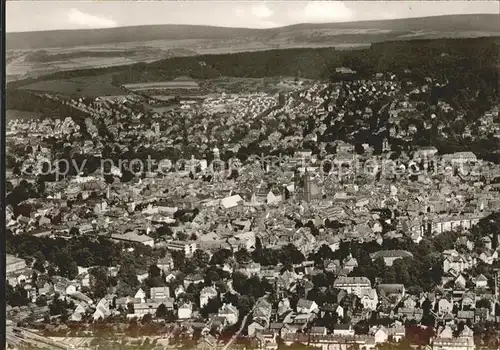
<point>309,199</point>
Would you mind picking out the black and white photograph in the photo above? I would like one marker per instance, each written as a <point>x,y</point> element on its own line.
<point>251,175</point>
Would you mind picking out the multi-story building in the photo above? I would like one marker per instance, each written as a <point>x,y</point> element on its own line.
<point>13,264</point>
<point>160,293</point>
<point>390,256</point>
<point>356,285</point>
<point>188,247</point>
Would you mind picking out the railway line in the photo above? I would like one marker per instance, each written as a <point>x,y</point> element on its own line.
<point>18,337</point>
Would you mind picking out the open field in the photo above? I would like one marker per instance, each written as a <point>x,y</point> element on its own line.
<point>30,63</point>
<point>163,97</point>
<point>162,85</point>
<point>12,114</point>
<point>82,86</point>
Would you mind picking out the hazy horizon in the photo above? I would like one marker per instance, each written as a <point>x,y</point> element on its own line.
<point>29,16</point>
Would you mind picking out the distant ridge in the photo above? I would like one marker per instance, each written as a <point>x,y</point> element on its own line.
<point>462,25</point>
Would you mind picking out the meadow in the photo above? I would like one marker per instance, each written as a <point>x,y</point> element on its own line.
<point>165,85</point>
<point>88,86</point>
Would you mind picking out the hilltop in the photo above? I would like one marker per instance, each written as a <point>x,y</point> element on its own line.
<point>365,31</point>
<point>32,54</point>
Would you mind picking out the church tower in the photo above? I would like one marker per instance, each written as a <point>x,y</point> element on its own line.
<point>156,128</point>
<point>296,179</point>
<point>216,153</point>
<point>306,194</point>
<point>217,166</point>
<point>386,147</point>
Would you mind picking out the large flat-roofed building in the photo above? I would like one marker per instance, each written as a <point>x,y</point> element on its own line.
<point>390,256</point>
<point>132,237</point>
<point>460,158</point>
<point>13,264</point>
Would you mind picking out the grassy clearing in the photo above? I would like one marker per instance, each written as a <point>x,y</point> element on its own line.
<point>82,86</point>
<point>163,85</point>
<point>12,114</point>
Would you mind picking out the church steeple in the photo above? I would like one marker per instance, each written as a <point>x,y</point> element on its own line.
<point>216,153</point>
<point>306,195</point>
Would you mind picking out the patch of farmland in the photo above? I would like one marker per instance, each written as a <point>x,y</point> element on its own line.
<point>163,97</point>
<point>88,86</point>
<point>162,85</point>
<point>12,114</point>
<point>102,61</point>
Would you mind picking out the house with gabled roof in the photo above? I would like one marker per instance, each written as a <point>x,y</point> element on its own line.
<point>44,287</point>
<point>141,295</point>
<point>380,333</point>
<point>343,330</point>
<point>350,264</point>
<point>481,281</point>
<point>452,343</point>
<point>457,263</point>
<point>445,306</point>
<point>274,196</point>
<point>460,281</point>
<point>255,327</point>
<point>465,316</point>
<point>318,331</point>
<point>193,279</point>
<point>392,291</point>
<point>445,332</point>
<point>79,296</point>
<point>481,314</point>
<point>229,312</point>
<point>102,309</point>
<point>369,299</point>
<point>166,263</point>
<point>466,333</point>
<point>207,342</point>
<point>79,311</point>
<point>206,294</point>
<point>468,300</point>
<point>185,311</point>
<point>143,308</point>
<point>410,314</point>
<point>488,256</point>
<point>397,332</point>
<point>306,306</point>
<point>84,279</point>
<point>410,301</point>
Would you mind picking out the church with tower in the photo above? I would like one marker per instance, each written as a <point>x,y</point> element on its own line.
<point>305,189</point>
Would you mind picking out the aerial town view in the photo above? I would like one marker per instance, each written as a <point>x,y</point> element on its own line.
<point>252,175</point>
